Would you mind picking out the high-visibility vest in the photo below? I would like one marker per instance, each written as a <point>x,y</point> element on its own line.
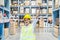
<point>27,33</point>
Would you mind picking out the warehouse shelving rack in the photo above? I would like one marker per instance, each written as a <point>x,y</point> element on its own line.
<point>40,7</point>
<point>4,23</point>
<point>56,14</point>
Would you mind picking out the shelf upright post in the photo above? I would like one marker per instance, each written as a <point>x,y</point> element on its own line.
<point>3,38</point>
<point>59,23</point>
<point>47,17</point>
<point>53,16</point>
<point>18,13</point>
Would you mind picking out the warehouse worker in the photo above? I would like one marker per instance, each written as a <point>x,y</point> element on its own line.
<point>27,31</point>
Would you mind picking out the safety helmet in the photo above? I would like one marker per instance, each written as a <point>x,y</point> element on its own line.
<point>27,15</point>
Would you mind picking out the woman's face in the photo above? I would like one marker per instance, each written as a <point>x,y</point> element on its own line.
<point>26,21</point>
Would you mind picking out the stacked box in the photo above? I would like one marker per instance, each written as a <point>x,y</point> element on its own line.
<point>57,21</point>
<point>44,11</point>
<point>27,3</point>
<point>33,3</point>
<point>15,3</point>
<point>56,31</point>
<point>33,10</point>
<point>50,3</point>
<point>12,27</point>
<point>38,2</point>
<point>41,23</point>
<point>38,11</point>
<point>27,10</point>
<point>44,4</point>
<point>21,9</point>
<point>15,12</point>
<point>50,10</point>
<point>21,24</point>
<point>6,32</point>
<point>56,3</point>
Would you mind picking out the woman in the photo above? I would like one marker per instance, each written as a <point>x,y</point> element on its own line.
<point>27,31</point>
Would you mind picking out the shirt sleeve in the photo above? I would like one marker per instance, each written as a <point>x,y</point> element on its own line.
<point>34,21</point>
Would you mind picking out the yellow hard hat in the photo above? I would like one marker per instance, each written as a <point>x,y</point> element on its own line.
<point>27,15</point>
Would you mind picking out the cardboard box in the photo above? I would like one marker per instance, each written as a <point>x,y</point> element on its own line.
<point>21,10</point>
<point>55,30</point>
<point>50,10</point>
<point>33,10</point>
<point>15,12</point>
<point>44,4</point>
<point>21,24</point>
<point>27,3</point>
<point>38,11</point>
<point>41,23</point>
<point>33,3</point>
<point>57,21</point>
<point>6,32</point>
<point>44,11</point>
<point>12,28</point>
<point>56,3</point>
<point>27,10</point>
<point>50,3</point>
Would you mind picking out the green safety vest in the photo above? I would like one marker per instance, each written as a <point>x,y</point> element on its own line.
<point>27,33</point>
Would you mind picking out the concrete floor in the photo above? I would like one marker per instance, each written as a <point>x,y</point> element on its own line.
<point>40,35</point>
